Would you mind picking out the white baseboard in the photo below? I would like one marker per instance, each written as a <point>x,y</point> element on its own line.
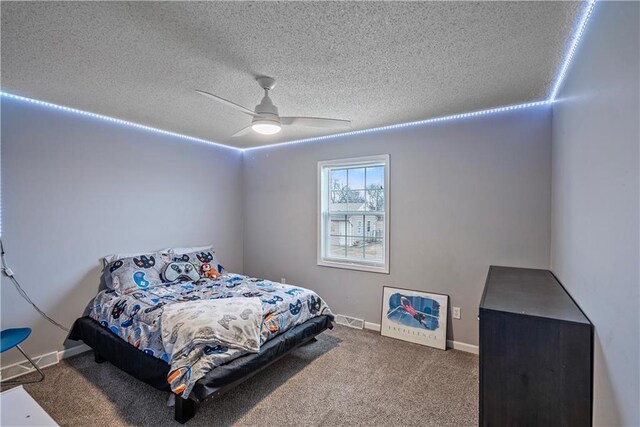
<point>456,345</point>
<point>463,346</point>
<point>372,326</point>
<point>72,351</point>
<point>49,359</point>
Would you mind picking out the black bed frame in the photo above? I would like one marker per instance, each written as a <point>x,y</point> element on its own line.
<point>109,347</point>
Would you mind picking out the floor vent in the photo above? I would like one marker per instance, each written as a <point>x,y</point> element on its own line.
<point>21,368</point>
<point>351,322</point>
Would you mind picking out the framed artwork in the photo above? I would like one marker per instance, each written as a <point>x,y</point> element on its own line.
<point>415,316</point>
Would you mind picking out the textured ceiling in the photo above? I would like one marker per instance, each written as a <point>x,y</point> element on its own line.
<point>375,63</point>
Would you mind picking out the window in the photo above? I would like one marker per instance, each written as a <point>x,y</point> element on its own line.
<point>353,199</point>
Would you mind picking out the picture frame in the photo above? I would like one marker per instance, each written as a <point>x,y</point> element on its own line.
<point>416,316</point>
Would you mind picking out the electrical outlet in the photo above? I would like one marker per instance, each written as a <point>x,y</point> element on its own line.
<point>283,280</point>
<point>456,312</point>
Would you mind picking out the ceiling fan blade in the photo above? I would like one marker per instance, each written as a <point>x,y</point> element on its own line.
<point>242,132</point>
<point>228,103</point>
<point>316,122</point>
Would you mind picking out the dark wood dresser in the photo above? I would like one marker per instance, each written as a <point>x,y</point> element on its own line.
<point>536,352</point>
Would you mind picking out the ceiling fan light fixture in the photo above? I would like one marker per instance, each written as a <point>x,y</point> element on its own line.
<point>266,128</point>
<point>267,121</point>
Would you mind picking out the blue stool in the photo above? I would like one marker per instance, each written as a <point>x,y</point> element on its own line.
<point>13,338</point>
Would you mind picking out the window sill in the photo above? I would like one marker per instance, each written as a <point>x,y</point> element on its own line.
<point>383,269</point>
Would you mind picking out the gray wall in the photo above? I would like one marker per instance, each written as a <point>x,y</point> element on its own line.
<point>478,191</point>
<point>464,194</point>
<point>595,201</point>
<point>75,189</point>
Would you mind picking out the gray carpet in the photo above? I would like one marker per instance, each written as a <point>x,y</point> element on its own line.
<point>348,377</point>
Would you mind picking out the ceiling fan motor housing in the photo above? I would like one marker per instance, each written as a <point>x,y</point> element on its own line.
<point>268,113</point>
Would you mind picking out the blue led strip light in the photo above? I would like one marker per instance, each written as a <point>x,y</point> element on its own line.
<point>409,124</point>
<point>318,138</point>
<point>573,46</point>
<point>113,120</point>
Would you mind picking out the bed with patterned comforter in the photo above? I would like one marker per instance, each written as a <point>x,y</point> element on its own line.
<point>199,325</point>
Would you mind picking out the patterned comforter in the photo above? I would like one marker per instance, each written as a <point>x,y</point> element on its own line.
<point>137,318</point>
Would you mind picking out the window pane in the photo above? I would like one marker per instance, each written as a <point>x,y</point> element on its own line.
<point>375,224</point>
<point>339,201</point>
<point>337,248</point>
<point>375,200</point>
<point>374,238</point>
<point>355,179</point>
<point>354,245</point>
<point>354,252</point>
<point>375,177</point>
<point>356,201</point>
<point>339,225</point>
<point>375,188</point>
<point>338,179</point>
<point>374,250</point>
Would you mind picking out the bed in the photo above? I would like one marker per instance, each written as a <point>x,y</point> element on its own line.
<point>200,334</point>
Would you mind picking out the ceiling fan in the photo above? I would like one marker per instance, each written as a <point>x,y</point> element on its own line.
<point>266,119</point>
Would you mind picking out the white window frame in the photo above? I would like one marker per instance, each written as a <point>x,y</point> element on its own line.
<point>323,208</point>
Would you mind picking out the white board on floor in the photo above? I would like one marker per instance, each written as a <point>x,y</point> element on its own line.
<point>17,408</point>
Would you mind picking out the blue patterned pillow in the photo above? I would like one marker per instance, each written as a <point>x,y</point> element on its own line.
<point>136,272</point>
<point>204,259</point>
